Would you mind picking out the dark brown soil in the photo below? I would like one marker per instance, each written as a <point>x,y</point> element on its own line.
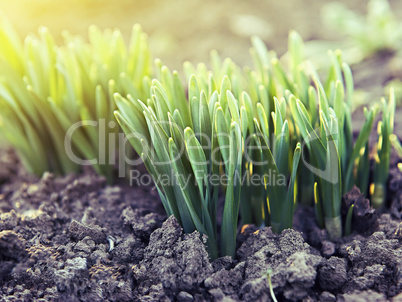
<point>75,238</point>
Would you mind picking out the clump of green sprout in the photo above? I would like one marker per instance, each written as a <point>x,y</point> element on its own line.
<point>201,145</point>
<point>237,131</point>
<point>264,126</point>
<point>251,122</point>
<point>332,162</point>
<point>335,106</point>
<point>189,142</point>
<point>331,144</point>
<point>54,99</point>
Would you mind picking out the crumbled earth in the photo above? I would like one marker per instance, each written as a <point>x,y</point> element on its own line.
<point>75,238</point>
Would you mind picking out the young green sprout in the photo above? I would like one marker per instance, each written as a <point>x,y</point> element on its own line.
<point>348,224</point>
<point>271,290</point>
<point>323,145</point>
<point>396,144</point>
<point>381,165</point>
<point>280,197</point>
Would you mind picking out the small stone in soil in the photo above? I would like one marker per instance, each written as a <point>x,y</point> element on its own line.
<point>333,275</point>
<point>11,245</point>
<point>79,231</point>
<point>185,297</point>
<point>327,248</point>
<point>327,297</point>
<point>362,296</point>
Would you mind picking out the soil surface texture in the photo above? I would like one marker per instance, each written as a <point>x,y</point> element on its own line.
<point>75,238</point>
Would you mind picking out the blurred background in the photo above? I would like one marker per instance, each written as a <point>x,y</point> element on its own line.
<point>185,29</point>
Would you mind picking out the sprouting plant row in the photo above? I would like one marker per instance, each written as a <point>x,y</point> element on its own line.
<point>264,113</point>
<point>277,123</point>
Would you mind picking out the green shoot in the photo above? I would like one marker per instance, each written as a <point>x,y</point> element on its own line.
<point>271,290</point>
<point>348,224</point>
<point>396,144</point>
<point>382,158</point>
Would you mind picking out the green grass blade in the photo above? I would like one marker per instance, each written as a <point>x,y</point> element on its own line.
<point>231,208</point>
